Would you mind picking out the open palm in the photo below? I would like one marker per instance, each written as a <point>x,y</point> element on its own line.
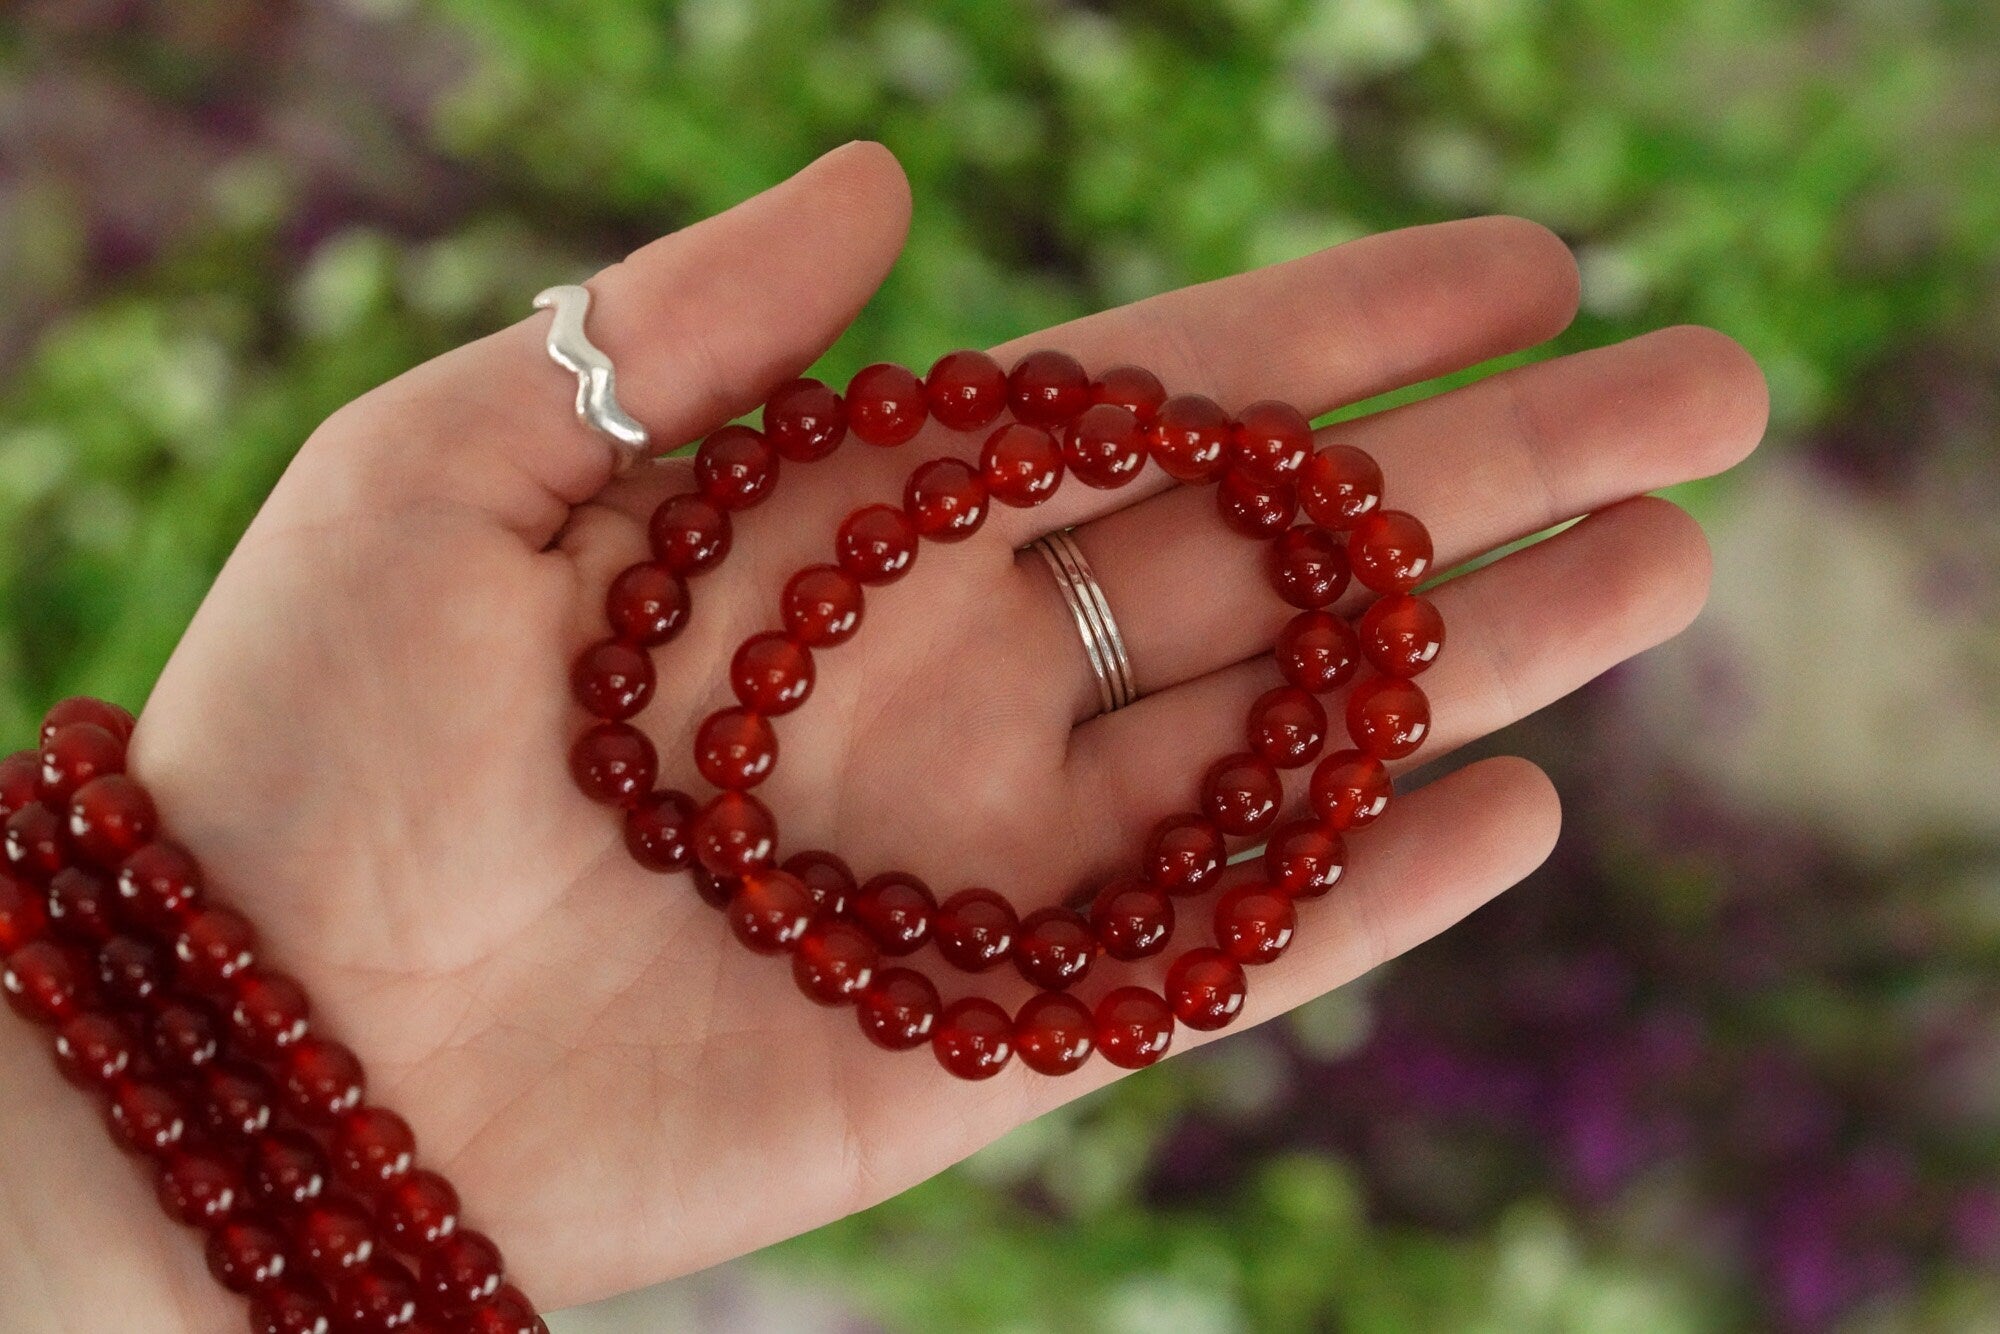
<point>364,732</point>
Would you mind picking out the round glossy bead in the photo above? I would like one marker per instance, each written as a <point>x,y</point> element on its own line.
<point>1255,508</point>
<point>826,877</point>
<point>658,828</point>
<point>614,763</point>
<point>1054,948</point>
<point>110,818</point>
<point>84,709</point>
<point>1183,854</point>
<point>1206,989</point>
<point>885,404</point>
<point>735,749</point>
<point>292,1306</point>
<point>462,1270</point>
<point>372,1146</point>
<point>320,1079</point>
<point>1350,789</point>
<point>688,534</point>
<point>418,1210</point>
<point>235,1100</point>
<point>1241,794</point>
<point>1189,438</point>
<point>1022,465</point>
<point>1132,920</point>
<point>877,544</point>
<point>20,781</point>
<point>33,845</point>
<point>647,604</point>
<point>81,906</point>
<point>770,911</point>
<point>146,1117</point>
<point>246,1254</point>
<point>1307,566</point>
<point>199,1187</point>
<point>898,1009</point>
<point>160,884</point>
<point>975,929</point>
<point>821,606</point>
<point>966,390</point>
<point>93,1050</point>
<point>1388,717</point>
<point>1054,1032</point>
<point>1390,551</point>
<point>1401,634</point>
<point>1340,484</point>
<point>771,673</point>
<point>1317,651</point>
<point>805,421</point>
<point>213,946</point>
<point>508,1313</point>
<point>1047,387</point>
<point>946,500</point>
<point>1304,858</point>
<point>268,1011</point>
<point>1105,447</point>
<point>974,1038</point>
<point>1134,1027</point>
<point>1254,923</point>
<point>132,971</point>
<point>1270,441</point>
<point>335,1236</point>
<point>73,755</point>
<point>835,962</point>
<point>184,1036</point>
<point>710,888</point>
<point>734,834</point>
<point>24,913</point>
<point>44,982</point>
<point>379,1297</point>
<point>897,910</point>
<point>288,1169</point>
<point>1133,388</point>
<point>735,468</point>
<point>1287,726</point>
<point>612,680</point>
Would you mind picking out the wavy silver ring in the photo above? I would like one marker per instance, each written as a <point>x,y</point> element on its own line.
<point>597,403</point>
<point>1103,644</point>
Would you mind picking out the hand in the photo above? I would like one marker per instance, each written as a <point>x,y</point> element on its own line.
<point>364,732</point>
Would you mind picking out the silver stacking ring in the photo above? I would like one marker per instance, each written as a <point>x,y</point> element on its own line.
<point>1103,645</point>
<point>597,403</point>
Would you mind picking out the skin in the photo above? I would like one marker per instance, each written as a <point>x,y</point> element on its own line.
<point>364,730</point>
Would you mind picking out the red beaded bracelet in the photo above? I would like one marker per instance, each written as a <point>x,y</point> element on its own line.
<point>838,931</point>
<point>210,1068</point>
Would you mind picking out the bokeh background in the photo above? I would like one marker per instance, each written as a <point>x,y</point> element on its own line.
<point>1731,1061</point>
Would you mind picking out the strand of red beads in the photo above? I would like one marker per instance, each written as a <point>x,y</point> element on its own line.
<point>210,1069</point>
<point>840,933</point>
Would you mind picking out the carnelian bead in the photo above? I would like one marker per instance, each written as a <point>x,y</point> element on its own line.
<point>734,834</point>
<point>735,748</point>
<point>320,1079</point>
<point>335,1236</point>
<point>20,781</point>
<point>508,1313</point>
<point>1132,921</point>
<point>1134,1027</point>
<point>110,818</point>
<point>1254,923</point>
<point>34,844</point>
<point>1184,854</point>
<point>898,1009</point>
<point>81,906</point>
<point>1253,507</point>
<point>1304,858</point>
<point>1133,388</point>
<point>974,1038</point>
<point>92,1049</point>
<point>1287,726</point>
<point>877,544</point>
<point>1270,441</point>
<point>1390,551</point>
<point>1206,989</point>
<point>612,680</point>
<point>736,468</point>
<point>288,1168</point>
<point>614,763</point>
<point>199,1187</point>
<point>184,1036</point>
<point>160,884</point>
<point>1054,1032</point>
<point>647,604</point>
<point>946,500</point>
<point>897,910</point>
<point>1021,464</point>
<point>1401,634</point>
<point>75,754</point>
<point>235,1100</point>
<point>379,1297</point>
<point>1350,789</point>
<point>805,421</point>
<point>885,404</point>
<point>771,673</point>
<point>689,535</point>
<point>462,1270</point>
<point>1340,484</point>
<point>83,709</point>
<point>657,831</point>
<point>292,1306</point>
<point>827,878</point>
<point>1308,566</point>
<point>132,971</point>
<point>822,606</point>
<point>710,888</point>
<point>1241,794</point>
<point>770,911</point>
<point>247,1254</point>
<point>44,982</point>
<point>268,1011</point>
<point>835,962</point>
<point>1047,387</point>
<point>966,390</point>
<point>213,946</point>
<point>975,929</point>
<point>419,1210</point>
<point>1189,438</point>
<point>146,1117</point>
<point>1105,447</point>
<point>24,913</point>
<point>372,1146</point>
<point>1388,717</point>
<point>1317,651</point>
<point>1054,948</point>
